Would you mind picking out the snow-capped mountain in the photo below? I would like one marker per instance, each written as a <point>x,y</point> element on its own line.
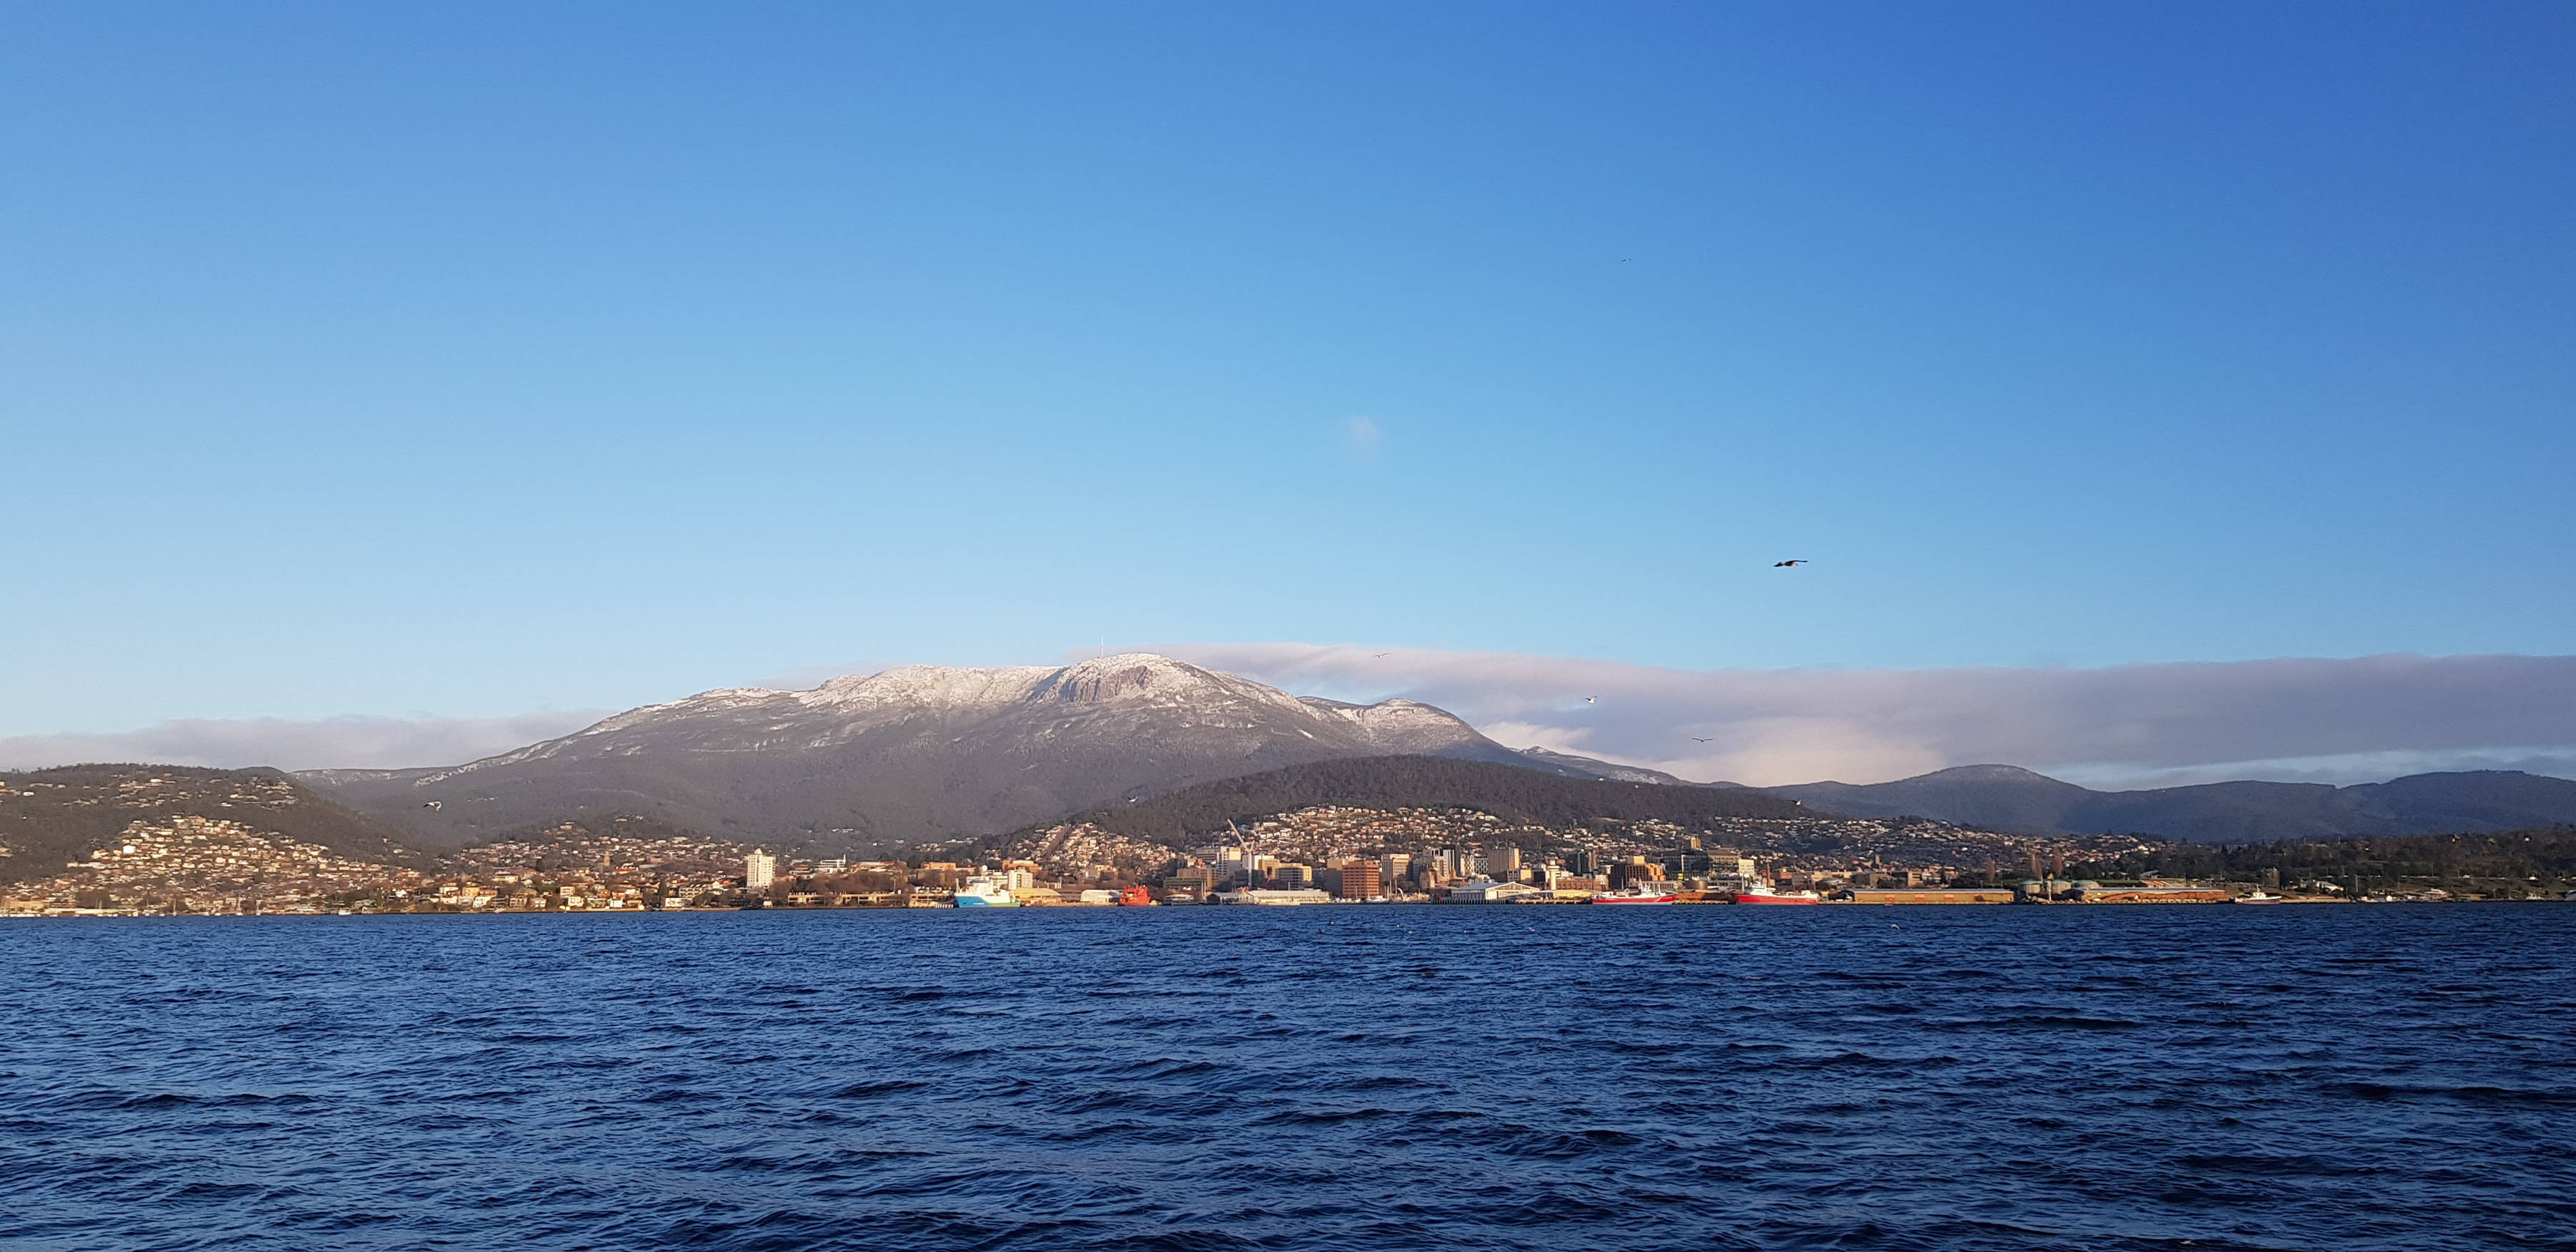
<point>916,753</point>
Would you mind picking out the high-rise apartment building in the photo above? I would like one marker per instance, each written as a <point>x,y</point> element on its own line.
<point>758,871</point>
<point>1359,881</point>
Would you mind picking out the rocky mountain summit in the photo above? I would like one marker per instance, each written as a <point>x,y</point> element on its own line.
<point>920,753</point>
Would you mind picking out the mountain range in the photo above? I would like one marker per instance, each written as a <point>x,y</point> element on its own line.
<point>929,754</point>
<point>918,754</point>
<point>2008,798</point>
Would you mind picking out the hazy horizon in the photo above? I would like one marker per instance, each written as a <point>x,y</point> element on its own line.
<point>2109,727</point>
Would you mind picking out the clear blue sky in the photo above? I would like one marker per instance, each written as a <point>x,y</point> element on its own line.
<point>472,358</point>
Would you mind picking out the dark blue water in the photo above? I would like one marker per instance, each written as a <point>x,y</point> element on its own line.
<point>1504,1077</point>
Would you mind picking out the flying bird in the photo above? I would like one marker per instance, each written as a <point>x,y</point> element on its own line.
<point>1697,739</point>
<point>1374,655</point>
<point>431,805</point>
<point>1787,564</point>
<point>1592,699</point>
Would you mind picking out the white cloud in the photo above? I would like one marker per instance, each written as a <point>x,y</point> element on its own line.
<point>2300,720</point>
<point>327,743</point>
<point>2340,720</point>
<point>1363,436</point>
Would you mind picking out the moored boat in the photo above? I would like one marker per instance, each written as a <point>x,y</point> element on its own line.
<point>1765,895</point>
<point>1639,894</point>
<point>2259,897</point>
<point>985,893</point>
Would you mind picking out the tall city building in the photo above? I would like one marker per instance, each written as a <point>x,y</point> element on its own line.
<point>1503,861</point>
<point>1359,881</point>
<point>758,871</point>
<point>1392,867</point>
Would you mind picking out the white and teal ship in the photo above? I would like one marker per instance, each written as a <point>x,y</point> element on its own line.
<point>985,893</point>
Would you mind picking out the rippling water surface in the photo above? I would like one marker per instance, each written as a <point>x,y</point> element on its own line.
<point>1502,1077</point>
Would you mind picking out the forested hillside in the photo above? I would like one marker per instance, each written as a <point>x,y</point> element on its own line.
<point>2536,859</point>
<point>1390,782</point>
<point>51,816</point>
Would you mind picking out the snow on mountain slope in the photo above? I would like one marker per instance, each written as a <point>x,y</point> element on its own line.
<point>913,753</point>
<point>1138,692</point>
<point>1400,726</point>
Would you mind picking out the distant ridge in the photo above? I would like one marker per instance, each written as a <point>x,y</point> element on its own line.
<point>51,816</point>
<point>1573,766</point>
<point>1509,792</point>
<point>2004,797</point>
<point>919,754</point>
<point>931,754</point>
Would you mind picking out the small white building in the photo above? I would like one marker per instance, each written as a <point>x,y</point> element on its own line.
<point>1487,891</point>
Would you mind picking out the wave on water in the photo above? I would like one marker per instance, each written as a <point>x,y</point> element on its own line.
<point>1361,1078</point>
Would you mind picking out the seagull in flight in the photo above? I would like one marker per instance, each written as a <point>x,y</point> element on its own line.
<point>1697,739</point>
<point>1787,564</point>
<point>431,805</point>
<point>1592,699</point>
<point>1375,655</point>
